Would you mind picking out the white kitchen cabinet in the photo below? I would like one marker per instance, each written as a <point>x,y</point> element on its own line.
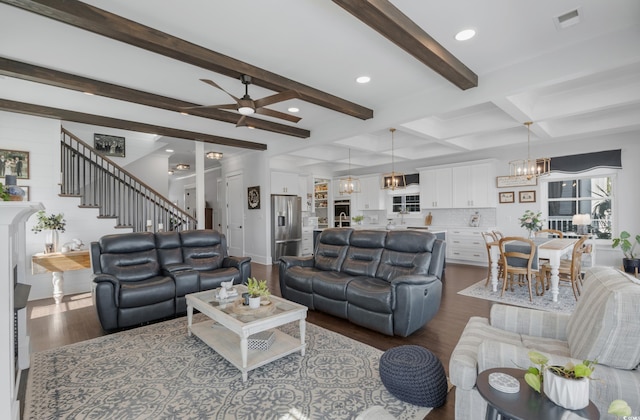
<point>473,186</point>
<point>307,242</point>
<point>436,188</point>
<point>284,183</point>
<point>466,245</point>
<point>371,197</point>
<point>303,192</point>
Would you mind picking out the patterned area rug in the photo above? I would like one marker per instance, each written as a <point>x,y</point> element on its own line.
<point>158,372</point>
<point>520,297</point>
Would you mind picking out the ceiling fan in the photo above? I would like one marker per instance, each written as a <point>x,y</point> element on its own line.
<point>247,106</point>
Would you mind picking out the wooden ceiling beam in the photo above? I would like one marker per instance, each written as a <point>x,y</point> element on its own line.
<point>64,80</point>
<point>81,117</point>
<point>87,17</point>
<point>394,25</point>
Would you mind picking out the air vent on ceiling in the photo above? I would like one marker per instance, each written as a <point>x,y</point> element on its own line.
<point>570,18</point>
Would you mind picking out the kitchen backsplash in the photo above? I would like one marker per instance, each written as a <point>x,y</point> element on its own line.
<point>461,217</point>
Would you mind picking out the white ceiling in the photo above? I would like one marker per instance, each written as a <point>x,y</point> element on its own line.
<point>574,83</point>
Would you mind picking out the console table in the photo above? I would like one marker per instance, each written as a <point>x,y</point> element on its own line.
<point>57,263</point>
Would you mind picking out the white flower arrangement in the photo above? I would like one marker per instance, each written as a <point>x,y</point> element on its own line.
<point>531,221</point>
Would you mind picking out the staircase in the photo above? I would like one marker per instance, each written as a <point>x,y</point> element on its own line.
<point>101,184</point>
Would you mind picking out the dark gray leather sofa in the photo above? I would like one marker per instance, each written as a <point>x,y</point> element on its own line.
<point>141,277</point>
<point>386,281</point>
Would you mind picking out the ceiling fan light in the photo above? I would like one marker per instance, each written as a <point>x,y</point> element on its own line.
<point>246,110</point>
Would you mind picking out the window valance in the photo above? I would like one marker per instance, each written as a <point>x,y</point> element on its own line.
<point>587,161</point>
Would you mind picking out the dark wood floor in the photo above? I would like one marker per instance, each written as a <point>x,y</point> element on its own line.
<point>74,320</point>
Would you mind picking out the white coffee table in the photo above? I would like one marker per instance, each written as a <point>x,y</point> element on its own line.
<point>231,325</point>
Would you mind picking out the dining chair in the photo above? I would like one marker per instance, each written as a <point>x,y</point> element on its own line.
<point>569,270</point>
<point>489,239</point>
<point>518,262</point>
<point>549,233</point>
<point>497,234</point>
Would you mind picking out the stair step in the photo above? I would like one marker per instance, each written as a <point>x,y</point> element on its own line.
<point>70,195</point>
<point>89,206</point>
<point>107,217</point>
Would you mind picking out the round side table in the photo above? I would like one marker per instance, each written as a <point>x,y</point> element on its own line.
<point>526,404</point>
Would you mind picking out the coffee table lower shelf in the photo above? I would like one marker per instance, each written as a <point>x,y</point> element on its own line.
<point>228,345</point>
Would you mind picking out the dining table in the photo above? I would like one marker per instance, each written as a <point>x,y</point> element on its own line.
<point>551,249</point>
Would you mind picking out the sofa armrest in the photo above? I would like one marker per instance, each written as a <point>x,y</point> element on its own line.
<point>243,264</point>
<point>529,321</point>
<point>412,279</point>
<point>291,261</point>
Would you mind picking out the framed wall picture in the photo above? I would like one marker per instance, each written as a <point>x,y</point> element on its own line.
<point>14,162</point>
<point>506,197</point>
<point>527,196</point>
<point>109,145</point>
<point>515,181</point>
<point>253,197</point>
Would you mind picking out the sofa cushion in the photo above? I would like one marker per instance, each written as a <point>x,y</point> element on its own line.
<point>331,284</point>
<point>203,249</point>
<point>146,292</point>
<point>363,256</point>
<point>332,249</point>
<point>300,278</point>
<point>605,325</point>
<point>131,266</point>
<point>372,294</point>
<point>213,279</point>
<point>169,248</point>
<point>405,253</point>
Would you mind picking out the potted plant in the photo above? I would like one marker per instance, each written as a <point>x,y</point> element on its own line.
<point>358,219</point>
<point>567,386</point>
<point>256,289</point>
<point>627,244</point>
<point>51,224</point>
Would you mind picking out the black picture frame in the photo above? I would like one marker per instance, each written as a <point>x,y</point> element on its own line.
<point>253,197</point>
<point>14,162</point>
<point>108,145</point>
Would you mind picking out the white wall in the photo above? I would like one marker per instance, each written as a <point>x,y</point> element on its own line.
<point>41,138</point>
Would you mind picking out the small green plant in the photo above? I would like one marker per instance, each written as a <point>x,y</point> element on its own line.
<point>51,222</point>
<point>627,247</point>
<point>257,288</point>
<point>4,195</point>
<point>534,374</point>
<point>359,218</point>
<point>619,408</point>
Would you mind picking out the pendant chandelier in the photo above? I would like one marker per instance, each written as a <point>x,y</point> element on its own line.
<point>348,185</point>
<point>393,180</point>
<point>529,168</point>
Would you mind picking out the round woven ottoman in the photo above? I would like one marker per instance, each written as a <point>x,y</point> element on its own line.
<point>415,375</point>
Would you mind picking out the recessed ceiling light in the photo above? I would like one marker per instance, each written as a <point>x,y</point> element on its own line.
<point>184,113</point>
<point>170,172</point>
<point>363,79</point>
<point>465,34</point>
<point>294,109</point>
<point>168,150</point>
<point>182,166</point>
<point>88,93</point>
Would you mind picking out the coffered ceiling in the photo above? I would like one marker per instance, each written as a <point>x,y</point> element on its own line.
<point>576,82</point>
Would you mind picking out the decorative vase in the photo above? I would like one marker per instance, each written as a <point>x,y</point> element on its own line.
<point>51,241</point>
<point>532,234</point>
<point>569,393</point>
<point>254,302</point>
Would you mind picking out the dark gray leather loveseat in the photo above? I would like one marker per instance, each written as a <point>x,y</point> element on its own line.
<point>386,281</point>
<point>141,277</point>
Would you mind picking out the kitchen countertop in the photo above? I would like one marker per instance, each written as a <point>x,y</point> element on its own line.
<point>396,227</point>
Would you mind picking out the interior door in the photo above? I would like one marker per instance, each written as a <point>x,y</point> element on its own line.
<point>190,201</point>
<point>235,215</point>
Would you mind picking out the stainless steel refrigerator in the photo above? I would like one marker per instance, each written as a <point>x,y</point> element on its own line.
<point>286,226</point>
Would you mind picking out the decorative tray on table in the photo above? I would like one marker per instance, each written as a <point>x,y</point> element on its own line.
<point>266,307</point>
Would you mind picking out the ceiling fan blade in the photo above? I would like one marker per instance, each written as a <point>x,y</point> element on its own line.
<point>277,114</point>
<point>278,97</point>
<point>242,121</point>
<point>221,106</point>
<point>214,84</point>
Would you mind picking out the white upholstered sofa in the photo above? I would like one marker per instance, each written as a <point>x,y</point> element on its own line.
<point>605,326</point>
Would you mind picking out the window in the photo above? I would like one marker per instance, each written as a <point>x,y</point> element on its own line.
<point>571,196</point>
<point>406,203</point>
